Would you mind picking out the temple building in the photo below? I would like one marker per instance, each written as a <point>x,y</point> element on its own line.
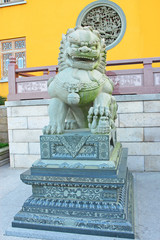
<point>31,31</point>
<point>30,38</point>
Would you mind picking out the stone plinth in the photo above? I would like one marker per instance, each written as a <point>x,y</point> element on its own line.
<point>4,156</point>
<point>81,184</point>
<point>80,150</point>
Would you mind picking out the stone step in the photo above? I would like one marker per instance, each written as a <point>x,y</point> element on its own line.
<point>4,161</point>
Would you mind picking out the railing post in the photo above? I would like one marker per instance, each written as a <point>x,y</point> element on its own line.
<point>12,78</point>
<point>52,71</point>
<point>148,73</point>
<point>45,73</point>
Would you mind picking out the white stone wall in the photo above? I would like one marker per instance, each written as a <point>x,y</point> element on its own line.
<point>25,122</point>
<point>3,124</point>
<point>138,128</point>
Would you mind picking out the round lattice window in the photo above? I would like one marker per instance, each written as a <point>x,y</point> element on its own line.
<point>106,17</point>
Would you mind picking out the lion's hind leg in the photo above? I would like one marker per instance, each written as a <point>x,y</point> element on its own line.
<point>57,114</point>
<point>70,122</point>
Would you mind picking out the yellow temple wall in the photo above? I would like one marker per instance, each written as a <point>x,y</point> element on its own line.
<point>43,22</point>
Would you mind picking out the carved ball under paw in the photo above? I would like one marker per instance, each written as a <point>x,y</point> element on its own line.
<point>104,125</point>
<point>99,119</point>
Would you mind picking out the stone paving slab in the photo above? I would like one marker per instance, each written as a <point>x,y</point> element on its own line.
<point>47,235</point>
<point>13,193</point>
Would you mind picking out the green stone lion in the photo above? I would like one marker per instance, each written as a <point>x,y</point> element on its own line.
<point>81,93</point>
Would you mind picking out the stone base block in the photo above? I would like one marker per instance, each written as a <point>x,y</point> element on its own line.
<point>52,235</point>
<point>76,202</point>
<point>79,150</point>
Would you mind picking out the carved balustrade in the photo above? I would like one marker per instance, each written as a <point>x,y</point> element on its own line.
<point>23,84</point>
<point>144,80</point>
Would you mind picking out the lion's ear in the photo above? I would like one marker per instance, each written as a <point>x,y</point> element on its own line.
<point>79,27</point>
<point>88,28</point>
<point>97,33</point>
<point>63,37</point>
<point>70,30</point>
<point>103,43</point>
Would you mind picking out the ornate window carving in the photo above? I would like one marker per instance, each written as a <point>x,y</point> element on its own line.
<point>12,47</point>
<point>9,1</point>
<point>106,17</point>
<point>5,3</point>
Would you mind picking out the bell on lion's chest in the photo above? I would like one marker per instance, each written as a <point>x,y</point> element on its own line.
<point>73,98</point>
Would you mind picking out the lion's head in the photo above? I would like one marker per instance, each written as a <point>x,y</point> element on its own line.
<point>82,48</point>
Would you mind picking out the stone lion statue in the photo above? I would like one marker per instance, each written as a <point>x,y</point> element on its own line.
<point>81,92</point>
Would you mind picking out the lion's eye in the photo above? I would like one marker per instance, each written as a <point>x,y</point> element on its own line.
<point>74,45</point>
<point>93,47</point>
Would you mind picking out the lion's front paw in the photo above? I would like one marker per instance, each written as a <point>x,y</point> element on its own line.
<point>99,119</point>
<point>53,129</point>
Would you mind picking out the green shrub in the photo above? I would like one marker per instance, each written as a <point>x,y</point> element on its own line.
<point>3,145</point>
<point>2,100</point>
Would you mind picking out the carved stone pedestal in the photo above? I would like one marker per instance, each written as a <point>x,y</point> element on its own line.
<point>81,184</point>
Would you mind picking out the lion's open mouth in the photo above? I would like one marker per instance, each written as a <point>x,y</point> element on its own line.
<point>83,59</point>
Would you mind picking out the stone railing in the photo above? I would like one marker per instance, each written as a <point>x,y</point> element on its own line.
<point>23,85</point>
<point>144,80</point>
